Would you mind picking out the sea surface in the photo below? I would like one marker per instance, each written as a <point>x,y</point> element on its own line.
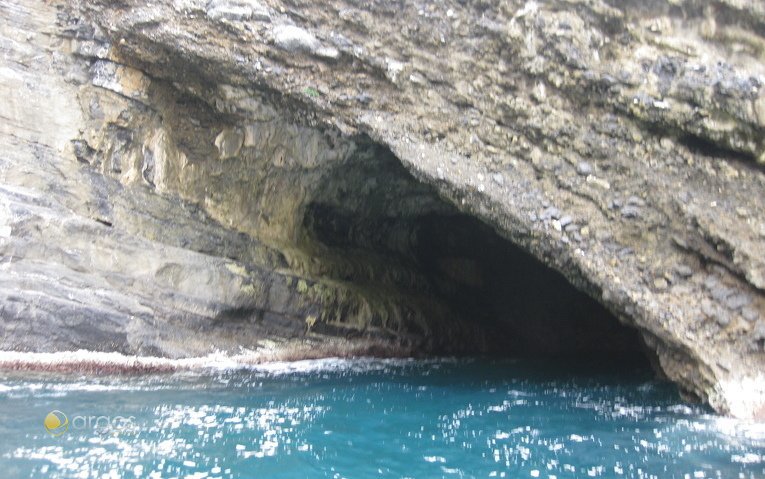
<point>367,419</point>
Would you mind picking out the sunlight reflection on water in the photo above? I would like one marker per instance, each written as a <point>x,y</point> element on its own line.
<point>374,418</point>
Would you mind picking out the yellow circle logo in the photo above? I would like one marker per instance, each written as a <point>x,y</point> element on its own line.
<point>56,423</point>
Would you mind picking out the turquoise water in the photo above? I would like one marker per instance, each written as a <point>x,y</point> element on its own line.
<point>371,418</point>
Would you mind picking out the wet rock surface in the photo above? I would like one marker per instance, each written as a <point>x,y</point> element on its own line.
<point>235,173</point>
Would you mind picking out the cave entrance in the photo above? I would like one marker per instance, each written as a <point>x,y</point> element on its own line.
<point>414,241</point>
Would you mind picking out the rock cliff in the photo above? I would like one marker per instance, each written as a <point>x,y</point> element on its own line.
<point>560,177</point>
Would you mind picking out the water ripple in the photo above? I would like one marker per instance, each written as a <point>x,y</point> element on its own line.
<point>373,418</point>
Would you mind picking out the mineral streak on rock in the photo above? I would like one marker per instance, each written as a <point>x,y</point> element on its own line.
<point>184,175</point>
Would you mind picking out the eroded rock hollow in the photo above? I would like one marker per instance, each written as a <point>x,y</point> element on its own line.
<point>519,178</point>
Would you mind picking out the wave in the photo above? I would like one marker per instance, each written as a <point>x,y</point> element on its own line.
<point>288,358</point>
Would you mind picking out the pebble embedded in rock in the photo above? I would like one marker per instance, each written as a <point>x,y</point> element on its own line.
<point>237,10</point>
<point>711,282</point>
<point>737,301</point>
<point>716,313</point>
<point>498,178</point>
<point>720,292</point>
<point>583,168</point>
<point>683,271</point>
<point>550,213</point>
<point>660,283</point>
<point>364,98</point>
<point>600,183</point>
<point>229,143</point>
<point>749,314</point>
<point>393,68</point>
<point>565,221</point>
<point>722,318</point>
<point>295,39</point>
<point>630,212</point>
<point>708,308</point>
<point>327,52</point>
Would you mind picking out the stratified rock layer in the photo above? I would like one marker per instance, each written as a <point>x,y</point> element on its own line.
<point>187,174</point>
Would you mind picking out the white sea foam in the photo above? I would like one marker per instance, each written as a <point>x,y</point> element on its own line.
<point>735,428</point>
<point>744,396</point>
<point>256,360</point>
<point>748,458</point>
<point>434,459</point>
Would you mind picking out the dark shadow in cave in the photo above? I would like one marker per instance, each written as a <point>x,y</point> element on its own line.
<point>531,309</point>
<point>373,205</point>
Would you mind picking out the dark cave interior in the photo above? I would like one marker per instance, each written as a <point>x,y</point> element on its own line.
<point>375,208</point>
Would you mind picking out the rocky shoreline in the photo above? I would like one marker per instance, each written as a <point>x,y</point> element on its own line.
<point>559,178</point>
<point>94,362</point>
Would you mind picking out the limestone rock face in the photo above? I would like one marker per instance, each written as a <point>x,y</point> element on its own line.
<point>186,174</point>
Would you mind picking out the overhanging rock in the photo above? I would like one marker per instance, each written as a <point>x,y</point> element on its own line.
<point>189,173</point>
